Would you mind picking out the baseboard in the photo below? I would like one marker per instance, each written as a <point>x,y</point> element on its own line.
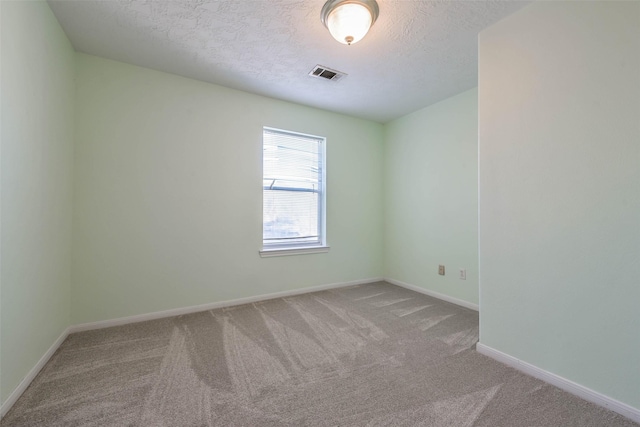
<point>17,392</point>
<point>438,295</point>
<point>562,383</point>
<point>211,306</point>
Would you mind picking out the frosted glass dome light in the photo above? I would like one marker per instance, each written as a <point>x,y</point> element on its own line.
<point>348,21</point>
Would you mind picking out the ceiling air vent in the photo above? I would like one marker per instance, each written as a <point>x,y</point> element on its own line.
<point>326,73</point>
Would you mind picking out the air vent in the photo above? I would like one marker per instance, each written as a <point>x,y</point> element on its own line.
<point>326,73</point>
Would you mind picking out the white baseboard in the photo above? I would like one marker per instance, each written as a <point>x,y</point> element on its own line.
<point>211,306</point>
<point>17,392</point>
<point>562,383</point>
<point>438,295</point>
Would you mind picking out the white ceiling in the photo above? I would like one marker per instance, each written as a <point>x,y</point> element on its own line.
<point>416,54</point>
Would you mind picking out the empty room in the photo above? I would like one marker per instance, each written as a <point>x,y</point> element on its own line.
<point>319,213</point>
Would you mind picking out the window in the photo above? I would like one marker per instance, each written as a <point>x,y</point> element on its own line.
<point>293,193</point>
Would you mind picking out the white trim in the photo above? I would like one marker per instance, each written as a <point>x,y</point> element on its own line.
<point>562,383</point>
<point>17,392</point>
<point>438,295</point>
<point>211,306</point>
<point>266,253</point>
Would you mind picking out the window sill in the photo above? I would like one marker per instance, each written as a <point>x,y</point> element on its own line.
<point>267,253</point>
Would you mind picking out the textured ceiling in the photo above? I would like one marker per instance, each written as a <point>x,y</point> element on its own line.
<point>417,53</point>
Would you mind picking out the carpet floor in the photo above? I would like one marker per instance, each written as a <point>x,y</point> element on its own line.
<point>367,355</point>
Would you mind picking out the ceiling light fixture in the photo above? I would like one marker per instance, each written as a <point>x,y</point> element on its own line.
<point>348,21</point>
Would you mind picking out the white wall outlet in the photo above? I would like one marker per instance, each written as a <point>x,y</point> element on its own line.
<point>463,274</point>
<point>441,270</point>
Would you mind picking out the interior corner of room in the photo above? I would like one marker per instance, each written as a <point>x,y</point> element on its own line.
<point>129,193</point>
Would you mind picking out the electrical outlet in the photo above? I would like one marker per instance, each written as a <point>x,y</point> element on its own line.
<point>463,274</point>
<point>441,270</point>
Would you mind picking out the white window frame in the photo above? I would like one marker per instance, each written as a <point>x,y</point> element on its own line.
<point>283,249</point>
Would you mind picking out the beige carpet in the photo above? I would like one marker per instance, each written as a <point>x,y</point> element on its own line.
<point>368,355</point>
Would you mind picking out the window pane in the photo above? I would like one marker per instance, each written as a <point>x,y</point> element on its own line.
<point>290,215</point>
<point>290,158</point>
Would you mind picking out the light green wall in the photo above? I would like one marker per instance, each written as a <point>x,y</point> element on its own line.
<point>559,104</point>
<point>37,145</point>
<point>431,197</point>
<point>168,194</point>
